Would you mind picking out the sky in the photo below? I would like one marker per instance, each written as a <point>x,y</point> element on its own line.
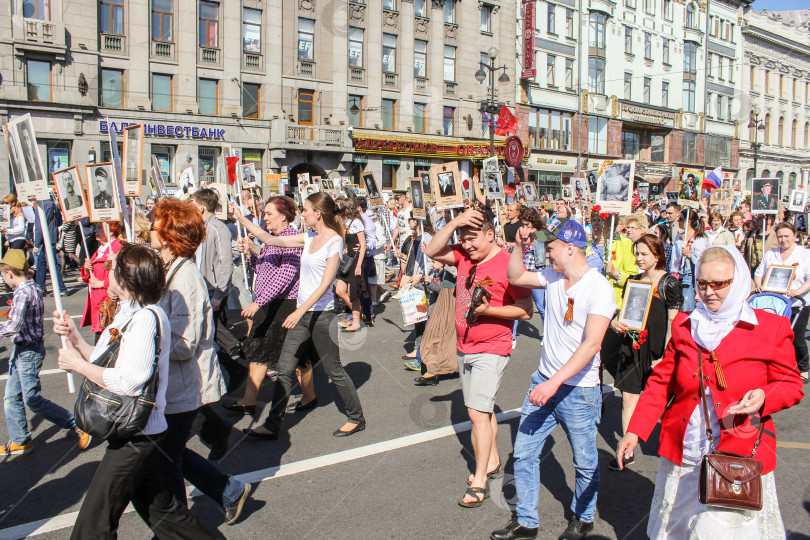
<point>780,5</point>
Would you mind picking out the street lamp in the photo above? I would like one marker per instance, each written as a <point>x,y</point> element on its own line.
<point>490,106</point>
<point>758,126</point>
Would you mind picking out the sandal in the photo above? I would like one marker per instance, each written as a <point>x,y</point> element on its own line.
<point>345,323</point>
<point>473,492</point>
<point>496,473</point>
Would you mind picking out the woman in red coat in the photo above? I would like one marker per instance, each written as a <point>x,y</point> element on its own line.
<point>749,369</point>
<point>95,274</point>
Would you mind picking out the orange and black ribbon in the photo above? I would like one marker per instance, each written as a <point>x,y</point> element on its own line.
<point>569,314</point>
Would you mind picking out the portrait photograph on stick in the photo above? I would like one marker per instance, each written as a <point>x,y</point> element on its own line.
<point>5,215</point>
<point>427,189</point>
<point>800,222</point>
<point>765,198</point>
<point>446,185</point>
<point>71,195</point>
<point>417,199</point>
<point>636,305</point>
<point>615,185</point>
<point>101,193</point>
<point>374,197</point>
<point>689,189</point>
<point>778,278</point>
<point>133,158</point>
<point>222,207</point>
<point>248,175</point>
<point>26,162</point>
<point>798,200</point>
<point>721,201</point>
<point>530,193</point>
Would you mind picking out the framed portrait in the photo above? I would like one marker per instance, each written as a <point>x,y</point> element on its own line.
<point>721,201</point>
<point>417,199</point>
<point>5,215</point>
<point>798,200</point>
<point>644,191</point>
<point>303,179</point>
<point>593,181</point>
<point>446,185</point>
<point>26,162</point>
<point>187,180</point>
<point>614,191</point>
<point>581,190</point>
<point>102,195</point>
<point>133,157</point>
<point>222,192</point>
<point>736,184</point>
<point>778,278</point>
<point>71,194</point>
<point>765,199</point>
<point>800,222</point>
<point>308,189</point>
<point>327,185</point>
<point>493,185</point>
<point>530,193</point>
<point>567,193</point>
<point>427,188</point>
<point>249,175</point>
<point>636,304</point>
<point>690,187</point>
<point>350,190</point>
<point>374,197</point>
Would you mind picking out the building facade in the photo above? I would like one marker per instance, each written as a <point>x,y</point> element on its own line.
<point>328,88</point>
<point>777,91</point>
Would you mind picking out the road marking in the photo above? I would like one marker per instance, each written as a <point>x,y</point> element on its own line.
<point>64,521</point>
<point>786,444</point>
<point>43,372</point>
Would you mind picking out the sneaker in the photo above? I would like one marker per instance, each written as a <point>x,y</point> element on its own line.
<point>514,344</point>
<point>385,296</point>
<point>233,511</point>
<point>397,296</point>
<point>576,530</point>
<point>614,465</point>
<point>13,449</point>
<point>84,438</point>
<point>414,365</point>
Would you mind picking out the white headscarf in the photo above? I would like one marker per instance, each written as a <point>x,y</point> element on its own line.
<point>710,327</point>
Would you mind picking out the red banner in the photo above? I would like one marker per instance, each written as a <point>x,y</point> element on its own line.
<point>507,122</point>
<point>529,68</point>
<point>231,163</point>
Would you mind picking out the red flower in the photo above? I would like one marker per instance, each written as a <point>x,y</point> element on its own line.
<point>604,215</point>
<point>636,346</point>
<point>597,208</point>
<point>643,333</point>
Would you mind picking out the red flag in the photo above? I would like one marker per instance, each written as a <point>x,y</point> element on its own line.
<point>231,162</point>
<point>507,122</point>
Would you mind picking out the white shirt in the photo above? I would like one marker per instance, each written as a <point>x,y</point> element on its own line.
<point>135,357</point>
<point>593,295</point>
<point>698,245</point>
<point>695,442</point>
<point>799,256</point>
<point>16,229</point>
<point>370,230</point>
<point>313,267</point>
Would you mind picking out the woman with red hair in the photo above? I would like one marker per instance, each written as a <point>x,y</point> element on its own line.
<point>95,273</point>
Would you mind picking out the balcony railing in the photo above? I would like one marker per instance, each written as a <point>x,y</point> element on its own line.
<point>26,32</point>
<point>306,67</point>
<point>421,84</point>
<point>450,88</point>
<point>313,135</point>
<point>357,75</point>
<point>163,49</point>
<point>209,55</point>
<point>390,79</point>
<point>253,61</point>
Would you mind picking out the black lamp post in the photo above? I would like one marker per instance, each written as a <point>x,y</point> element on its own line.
<point>490,106</point>
<point>758,125</point>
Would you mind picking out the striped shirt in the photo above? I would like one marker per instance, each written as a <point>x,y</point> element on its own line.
<point>277,271</point>
<point>24,323</point>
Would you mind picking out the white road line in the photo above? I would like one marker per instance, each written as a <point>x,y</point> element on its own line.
<point>43,372</point>
<point>72,317</point>
<point>64,521</point>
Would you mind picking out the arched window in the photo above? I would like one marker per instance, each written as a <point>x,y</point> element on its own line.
<point>793,135</point>
<point>780,132</point>
<point>780,176</point>
<point>766,174</point>
<point>691,16</point>
<point>749,179</point>
<point>792,180</point>
<point>768,128</point>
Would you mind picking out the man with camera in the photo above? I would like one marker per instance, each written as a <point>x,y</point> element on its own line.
<point>486,306</point>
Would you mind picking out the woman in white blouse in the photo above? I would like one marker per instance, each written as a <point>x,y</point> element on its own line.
<point>15,232</point>
<point>129,472</point>
<point>790,254</point>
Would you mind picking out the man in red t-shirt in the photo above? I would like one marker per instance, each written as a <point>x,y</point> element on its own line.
<point>484,341</point>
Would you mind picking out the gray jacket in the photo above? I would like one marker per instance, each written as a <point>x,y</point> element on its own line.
<point>216,258</point>
<point>194,375</point>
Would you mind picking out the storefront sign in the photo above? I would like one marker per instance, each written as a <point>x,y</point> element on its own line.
<point>645,115</point>
<point>514,151</point>
<point>390,162</point>
<point>167,130</point>
<point>359,159</point>
<point>439,148</point>
<point>421,163</point>
<point>548,162</point>
<point>644,170</point>
<point>529,68</point>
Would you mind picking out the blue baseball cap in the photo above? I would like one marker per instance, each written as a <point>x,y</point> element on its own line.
<point>572,233</point>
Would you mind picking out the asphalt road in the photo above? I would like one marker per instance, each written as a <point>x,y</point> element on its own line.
<point>400,478</point>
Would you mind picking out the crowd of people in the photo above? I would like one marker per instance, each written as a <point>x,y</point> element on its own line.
<point>164,295</point>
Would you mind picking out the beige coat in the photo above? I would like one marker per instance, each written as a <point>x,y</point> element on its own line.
<point>724,238</point>
<point>194,375</point>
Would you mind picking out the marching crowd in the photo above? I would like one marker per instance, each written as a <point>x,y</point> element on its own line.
<point>158,305</point>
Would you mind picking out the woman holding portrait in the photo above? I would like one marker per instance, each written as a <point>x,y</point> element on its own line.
<point>96,273</point>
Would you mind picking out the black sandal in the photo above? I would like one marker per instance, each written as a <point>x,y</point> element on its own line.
<point>473,492</point>
<point>497,473</point>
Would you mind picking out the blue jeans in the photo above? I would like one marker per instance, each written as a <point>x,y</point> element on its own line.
<point>540,301</point>
<point>42,269</point>
<point>179,462</point>
<point>688,286</point>
<point>23,389</point>
<point>578,410</point>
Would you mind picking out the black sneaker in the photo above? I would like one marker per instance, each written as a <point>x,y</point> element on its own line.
<point>614,465</point>
<point>576,530</point>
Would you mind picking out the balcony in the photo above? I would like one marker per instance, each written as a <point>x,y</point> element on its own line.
<point>209,55</point>
<point>163,50</point>
<point>450,88</point>
<point>692,34</point>
<point>421,85</point>
<point>252,61</point>
<point>605,6</point>
<point>357,75</point>
<point>312,135</point>
<point>39,36</point>
<point>390,80</point>
<point>114,43</point>
<point>306,67</point>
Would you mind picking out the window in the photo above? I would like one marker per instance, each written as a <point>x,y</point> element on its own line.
<point>717,150</point>
<point>161,92</point>
<point>419,125</point>
<point>656,148</point>
<point>795,95</point>
<point>720,62</point>
<point>688,103</point>
<point>665,94</point>
<point>767,81</point>
<point>206,158</point>
<point>356,47</point>
<point>731,70</point>
<point>649,7</point>
<point>39,80</point>
<point>306,106</point>
<point>709,104</point>
<point>389,53</point>
<point>691,16</point>
<point>250,100</point>
<point>419,8</point>
<point>355,118</point>
<point>486,18</point>
<point>729,108</point>
<point>251,30</point>
<point>780,133</point>
<point>162,19</point>
<point>668,10</point>
<point>112,16</point>
<point>207,96</point>
<point>630,145</point>
<point>596,75</point>
<point>389,176</point>
<point>209,24</point>
<point>646,95</point>
<point>569,23</point>
<point>719,108</point>
<point>807,135</point>
<point>628,85</point>
<point>550,60</point>
<point>112,88</point>
<point>37,9</point>
<point>689,147</point>
<point>628,40</point>
<point>389,4</point>
<point>597,135</point>
<point>689,57</point>
<point>447,120</point>
<point>767,133</point>
<point>793,135</point>
<point>449,63</point>
<point>597,30</point>
<point>450,11</point>
<point>710,66</point>
<point>753,77</point>
<point>306,39</point>
<point>165,158</point>
<point>630,3</point>
<point>647,45</point>
<point>389,110</point>
<point>666,51</point>
<point>550,27</point>
<point>781,85</point>
<point>550,129</point>
<point>569,74</point>
<point>419,58</point>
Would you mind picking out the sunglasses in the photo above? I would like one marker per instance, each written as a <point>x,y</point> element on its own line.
<point>702,284</point>
<point>471,278</point>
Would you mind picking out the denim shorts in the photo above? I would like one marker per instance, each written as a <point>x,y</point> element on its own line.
<point>480,376</point>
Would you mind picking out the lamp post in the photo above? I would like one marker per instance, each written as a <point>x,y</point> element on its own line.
<point>758,125</point>
<point>490,106</point>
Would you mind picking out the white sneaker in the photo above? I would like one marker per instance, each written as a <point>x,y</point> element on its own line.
<point>385,296</point>
<point>514,344</point>
<point>396,296</point>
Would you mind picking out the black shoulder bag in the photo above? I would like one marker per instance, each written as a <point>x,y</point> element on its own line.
<point>110,416</point>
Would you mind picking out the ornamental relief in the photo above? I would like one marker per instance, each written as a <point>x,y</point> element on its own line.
<point>422,25</point>
<point>357,12</point>
<point>450,31</point>
<point>391,18</point>
<point>306,5</point>
<point>438,4</point>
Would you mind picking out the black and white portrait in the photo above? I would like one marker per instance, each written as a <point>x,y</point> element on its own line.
<point>101,193</point>
<point>417,198</point>
<point>26,163</point>
<point>371,186</point>
<point>5,215</point>
<point>447,187</point>
<point>798,199</point>
<point>103,188</point>
<point>248,174</point>
<point>592,180</point>
<point>494,184</point>
<point>778,278</point>
<point>636,304</point>
<point>71,195</point>
<point>132,159</point>
<point>30,153</point>
<point>800,222</point>
<point>615,185</point>
<point>425,176</point>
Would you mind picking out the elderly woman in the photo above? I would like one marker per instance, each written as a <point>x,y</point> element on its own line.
<point>129,470</point>
<point>194,376</point>
<point>718,235</point>
<point>790,254</point>
<point>717,347</point>
<point>95,273</point>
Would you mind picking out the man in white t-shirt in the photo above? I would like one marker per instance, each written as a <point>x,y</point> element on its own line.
<point>565,389</point>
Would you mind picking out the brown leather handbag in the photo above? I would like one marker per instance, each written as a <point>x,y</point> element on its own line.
<point>728,480</point>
